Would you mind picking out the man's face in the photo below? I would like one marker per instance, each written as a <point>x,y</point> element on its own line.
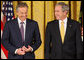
<point>22,13</point>
<point>59,14</point>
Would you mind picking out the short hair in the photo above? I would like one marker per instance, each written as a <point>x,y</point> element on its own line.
<point>65,7</point>
<point>21,4</point>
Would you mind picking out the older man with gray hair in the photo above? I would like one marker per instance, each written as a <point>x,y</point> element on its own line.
<point>21,36</point>
<point>63,36</point>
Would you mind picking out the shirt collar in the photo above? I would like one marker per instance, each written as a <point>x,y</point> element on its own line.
<point>19,21</point>
<point>65,20</point>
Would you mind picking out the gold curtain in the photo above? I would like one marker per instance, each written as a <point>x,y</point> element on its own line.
<point>75,9</point>
<point>38,15</point>
<point>43,12</point>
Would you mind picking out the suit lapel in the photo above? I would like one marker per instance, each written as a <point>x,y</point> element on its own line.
<point>16,27</point>
<point>27,30</point>
<point>58,31</point>
<point>67,29</point>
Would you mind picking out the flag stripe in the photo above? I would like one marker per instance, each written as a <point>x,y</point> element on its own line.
<point>3,55</point>
<point>1,25</point>
<point>4,50</point>
<point>1,33</point>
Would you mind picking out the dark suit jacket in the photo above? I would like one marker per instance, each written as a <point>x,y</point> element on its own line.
<point>72,47</point>
<point>11,38</point>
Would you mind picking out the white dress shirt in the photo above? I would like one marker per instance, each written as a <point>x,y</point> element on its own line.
<point>65,24</point>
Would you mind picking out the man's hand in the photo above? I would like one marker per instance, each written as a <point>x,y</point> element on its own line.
<point>24,48</point>
<point>20,52</point>
<point>29,49</point>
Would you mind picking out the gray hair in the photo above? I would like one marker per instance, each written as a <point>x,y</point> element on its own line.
<point>21,4</point>
<point>65,7</point>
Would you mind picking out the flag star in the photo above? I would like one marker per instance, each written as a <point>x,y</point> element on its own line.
<point>11,9</point>
<point>8,14</point>
<point>6,8</point>
<point>8,19</point>
<point>3,8</point>
<point>11,3</point>
<point>3,3</point>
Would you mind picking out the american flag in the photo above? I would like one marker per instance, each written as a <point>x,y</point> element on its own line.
<point>6,15</point>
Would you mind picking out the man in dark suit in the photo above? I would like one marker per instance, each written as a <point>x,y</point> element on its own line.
<point>21,36</point>
<point>63,41</point>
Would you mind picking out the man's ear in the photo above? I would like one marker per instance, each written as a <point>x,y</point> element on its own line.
<point>65,12</point>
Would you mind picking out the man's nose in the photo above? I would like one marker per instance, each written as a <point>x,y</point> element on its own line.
<point>24,14</point>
